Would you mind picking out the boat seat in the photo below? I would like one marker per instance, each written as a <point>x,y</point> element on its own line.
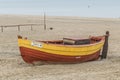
<point>68,41</point>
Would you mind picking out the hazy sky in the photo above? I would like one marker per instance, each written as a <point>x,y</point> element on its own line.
<point>83,8</point>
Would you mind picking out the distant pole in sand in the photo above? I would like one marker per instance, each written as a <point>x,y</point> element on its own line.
<point>18,27</point>
<point>31,28</point>
<point>1,28</point>
<point>105,47</point>
<point>44,21</point>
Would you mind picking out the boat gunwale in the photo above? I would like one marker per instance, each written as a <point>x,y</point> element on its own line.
<point>84,45</point>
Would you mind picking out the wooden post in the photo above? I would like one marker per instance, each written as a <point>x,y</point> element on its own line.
<point>1,28</point>
<point>31,28</point>
<point>19,37</point>
<point>18,27</point>
<point>105,46</point>
<point>44,21</point>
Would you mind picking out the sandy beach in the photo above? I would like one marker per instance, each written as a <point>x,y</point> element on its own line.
<point>12,67</point>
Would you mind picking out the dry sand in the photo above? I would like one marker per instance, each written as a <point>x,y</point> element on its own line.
<point>12,67</point>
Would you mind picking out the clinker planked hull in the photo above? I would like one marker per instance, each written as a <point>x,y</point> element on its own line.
<point>31,55</point>
<point>56,51</point>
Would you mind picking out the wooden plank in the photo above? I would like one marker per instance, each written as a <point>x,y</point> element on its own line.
<point>105,47</point>
<point>20,25</point>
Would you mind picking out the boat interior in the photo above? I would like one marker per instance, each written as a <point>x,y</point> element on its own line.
<point>71,41</point>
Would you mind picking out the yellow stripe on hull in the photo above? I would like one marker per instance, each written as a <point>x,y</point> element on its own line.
<point>74,50</point>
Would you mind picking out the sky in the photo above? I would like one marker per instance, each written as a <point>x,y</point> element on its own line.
<point>82,8</point>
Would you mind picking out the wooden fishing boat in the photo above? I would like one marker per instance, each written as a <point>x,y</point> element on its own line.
<point>66,50</point>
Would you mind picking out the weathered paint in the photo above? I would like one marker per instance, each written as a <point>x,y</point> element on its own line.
<point>32,51</point>
<point>68,50</point>
<point>31,55</point>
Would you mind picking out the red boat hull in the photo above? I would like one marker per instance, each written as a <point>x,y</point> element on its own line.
<point>31,55</point>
